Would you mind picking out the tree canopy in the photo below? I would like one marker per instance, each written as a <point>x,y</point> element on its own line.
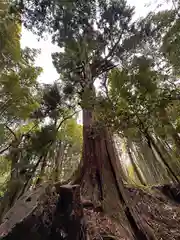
<point>130,129</point>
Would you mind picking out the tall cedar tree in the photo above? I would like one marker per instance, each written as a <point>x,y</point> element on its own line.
<point>96,35</point>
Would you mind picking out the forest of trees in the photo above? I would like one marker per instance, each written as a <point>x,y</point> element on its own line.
<point>130,132</point>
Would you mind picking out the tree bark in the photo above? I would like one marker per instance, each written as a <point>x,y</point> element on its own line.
<point>143,155</point>
<point>27,214</point>
<point>172,132</point>
<point>69,218</point>
<point>168,155</point>
<point>136,170</point>
<point>59,162</point>
<point>41,174</point>
<point>151,161</point>
<point>151,141</point>
<point>14,188</point>
<point>101,181</point>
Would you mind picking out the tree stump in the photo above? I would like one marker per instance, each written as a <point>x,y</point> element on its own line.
<point>31,216</point>
<point>69,221</point>
<point>44,215</point>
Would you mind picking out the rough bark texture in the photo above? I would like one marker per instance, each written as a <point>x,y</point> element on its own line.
<point>151,142</point>
<point>134,165</point>
<point>43,215</point>
<point>68,220</point>
<point>17,178</point>
<point>98,183</point>
<point>58,162</point>
<point>14,187</point>
<point>102,183</point>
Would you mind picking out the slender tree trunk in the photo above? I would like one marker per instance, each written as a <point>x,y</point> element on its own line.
<point>30,177</point>
<point>124,172</point>
<point>135,167</point>
<point>167,153</point>
<point>43,166</point>
<point>58,162</point>
<point>151,142</point>
<point>148,163</point>
<point>143,163</point>
<point>15,184</point>
<point>14,188</point>
<point>173,132</point>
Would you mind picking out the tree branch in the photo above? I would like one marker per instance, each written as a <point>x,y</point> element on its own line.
<point>11,132</point>
<point>5,149</point>
<point>115,45</point>
<point>66,118</point>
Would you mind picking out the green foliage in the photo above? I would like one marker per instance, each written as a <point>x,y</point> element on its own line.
<point>43,137</point>
<point>72,133</point>
<point>10,30</point>
<point>17,85</point>
<point>136,62</point>
<point>171,42</point>
<point>4,173</point>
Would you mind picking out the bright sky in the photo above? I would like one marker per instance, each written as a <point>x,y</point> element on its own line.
<point>44,59</point>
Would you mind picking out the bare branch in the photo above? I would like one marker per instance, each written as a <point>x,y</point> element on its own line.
<point>66,118</point>
<point>11,132</point>
<point>5,149</point>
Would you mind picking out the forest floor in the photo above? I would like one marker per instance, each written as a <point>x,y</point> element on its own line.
<point>159,211</point>
<point>159,207</point>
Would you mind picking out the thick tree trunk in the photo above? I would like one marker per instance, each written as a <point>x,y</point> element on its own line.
<point>101,180</point>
